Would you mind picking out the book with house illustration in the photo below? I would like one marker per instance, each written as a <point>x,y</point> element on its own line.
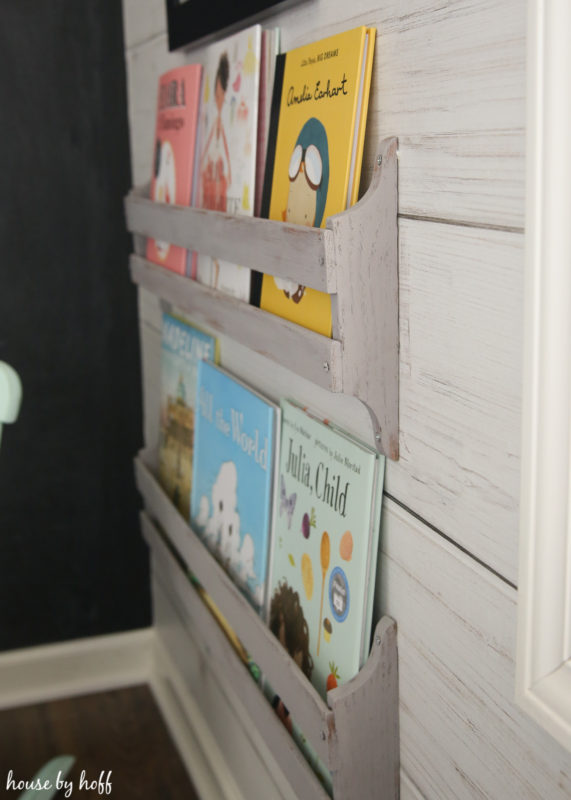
<point>174,171</point>
<point>182,348</point>
<point>228,132</point>
<point>234,472</point>
<point>314,157</point>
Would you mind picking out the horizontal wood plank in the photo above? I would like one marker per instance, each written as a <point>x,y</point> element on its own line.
<point>462,735</point>
<point>457,106</point>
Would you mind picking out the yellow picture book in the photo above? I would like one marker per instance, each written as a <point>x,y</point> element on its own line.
<point>315,149</point>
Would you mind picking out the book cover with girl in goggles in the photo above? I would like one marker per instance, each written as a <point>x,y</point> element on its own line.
<point>315,148</point>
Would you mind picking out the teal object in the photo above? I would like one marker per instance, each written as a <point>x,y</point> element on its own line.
<point>10,394</point>
<point>52,775</point>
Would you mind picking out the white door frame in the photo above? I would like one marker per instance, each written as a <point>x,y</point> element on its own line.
<point>543,673</point>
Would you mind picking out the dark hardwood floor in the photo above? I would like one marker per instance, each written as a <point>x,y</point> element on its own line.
<point>120,731</point>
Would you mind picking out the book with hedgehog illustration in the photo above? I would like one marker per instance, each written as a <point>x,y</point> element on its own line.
<point>324,556</point>
<point>182,347</point>
<point>234,467</point>
<point>314,153</point>
<point>325,544</point>
<point>175,152</point>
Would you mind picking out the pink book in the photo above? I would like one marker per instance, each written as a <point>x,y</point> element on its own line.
<point>175,152</point>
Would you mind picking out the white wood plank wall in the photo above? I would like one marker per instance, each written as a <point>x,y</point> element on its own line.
<point>449,81</point>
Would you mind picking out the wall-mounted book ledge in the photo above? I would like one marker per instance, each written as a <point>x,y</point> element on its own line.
<point>355,733</point>
<point>354,258</point>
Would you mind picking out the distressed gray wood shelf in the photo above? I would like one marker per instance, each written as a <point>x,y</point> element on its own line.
<point>354,258</point>
<point>355,733</point>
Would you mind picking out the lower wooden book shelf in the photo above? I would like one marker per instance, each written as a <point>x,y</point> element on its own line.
<point>355,734</point>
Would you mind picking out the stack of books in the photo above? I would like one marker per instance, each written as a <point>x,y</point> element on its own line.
<point>279,136</point>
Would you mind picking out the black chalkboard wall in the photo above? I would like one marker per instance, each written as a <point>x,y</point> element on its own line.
<point>72,562</point>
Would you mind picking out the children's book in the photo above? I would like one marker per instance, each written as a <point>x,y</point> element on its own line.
<point>174,170</point>
<point>234,474</point>
<point>315,148</point>
<point>324,555</point>
<point>228,131</point>
<point>183,346</point>
<point>325,543</point>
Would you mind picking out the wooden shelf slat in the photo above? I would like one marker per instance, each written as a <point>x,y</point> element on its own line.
<point>303,351</point>
<point>304,255</point>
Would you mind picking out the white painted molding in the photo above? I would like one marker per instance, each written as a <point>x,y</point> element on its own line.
<point>68,669</point>
<point>195,743</point>
<point>543,674</point>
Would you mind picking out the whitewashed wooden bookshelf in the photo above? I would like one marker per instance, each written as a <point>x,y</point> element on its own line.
<point>355,733</point>
<point>354,258</point>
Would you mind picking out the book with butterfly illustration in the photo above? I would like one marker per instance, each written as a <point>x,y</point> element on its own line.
<point>234,473</point>
<point>182,347</point>
<point>325,544</point>
<point>175,152</point>
<point>228,133</point>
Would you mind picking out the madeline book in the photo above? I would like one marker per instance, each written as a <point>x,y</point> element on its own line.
<point>182,347</point>
<point>174,171</point>
<point>232,492</point>
<point>315,148</point>
<point>228,132</point>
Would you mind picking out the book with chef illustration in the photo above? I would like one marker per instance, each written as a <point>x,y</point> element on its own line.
<point>233,485</point>
<point>324,547</point>
<point>174,171</point>
<point>314,154</point>
<point>228,132</point>
<point>182,347</point>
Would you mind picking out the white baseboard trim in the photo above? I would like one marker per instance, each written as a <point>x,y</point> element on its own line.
<point>95,664</point>
<point>195,742</point>
<point>101,663</point>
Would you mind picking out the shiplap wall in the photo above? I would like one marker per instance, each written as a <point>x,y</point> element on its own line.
<point>449,81</point>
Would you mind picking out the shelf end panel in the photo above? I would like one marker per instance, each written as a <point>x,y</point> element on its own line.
<point>366,253</point>
<point>366,713</point>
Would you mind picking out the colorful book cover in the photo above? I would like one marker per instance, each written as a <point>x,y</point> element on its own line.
<point>183,346</point>
<point>174,156</point>
<point>228,130</point>
<point>315,148</point>
<point>325,543</point>
<point>232,491</point>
